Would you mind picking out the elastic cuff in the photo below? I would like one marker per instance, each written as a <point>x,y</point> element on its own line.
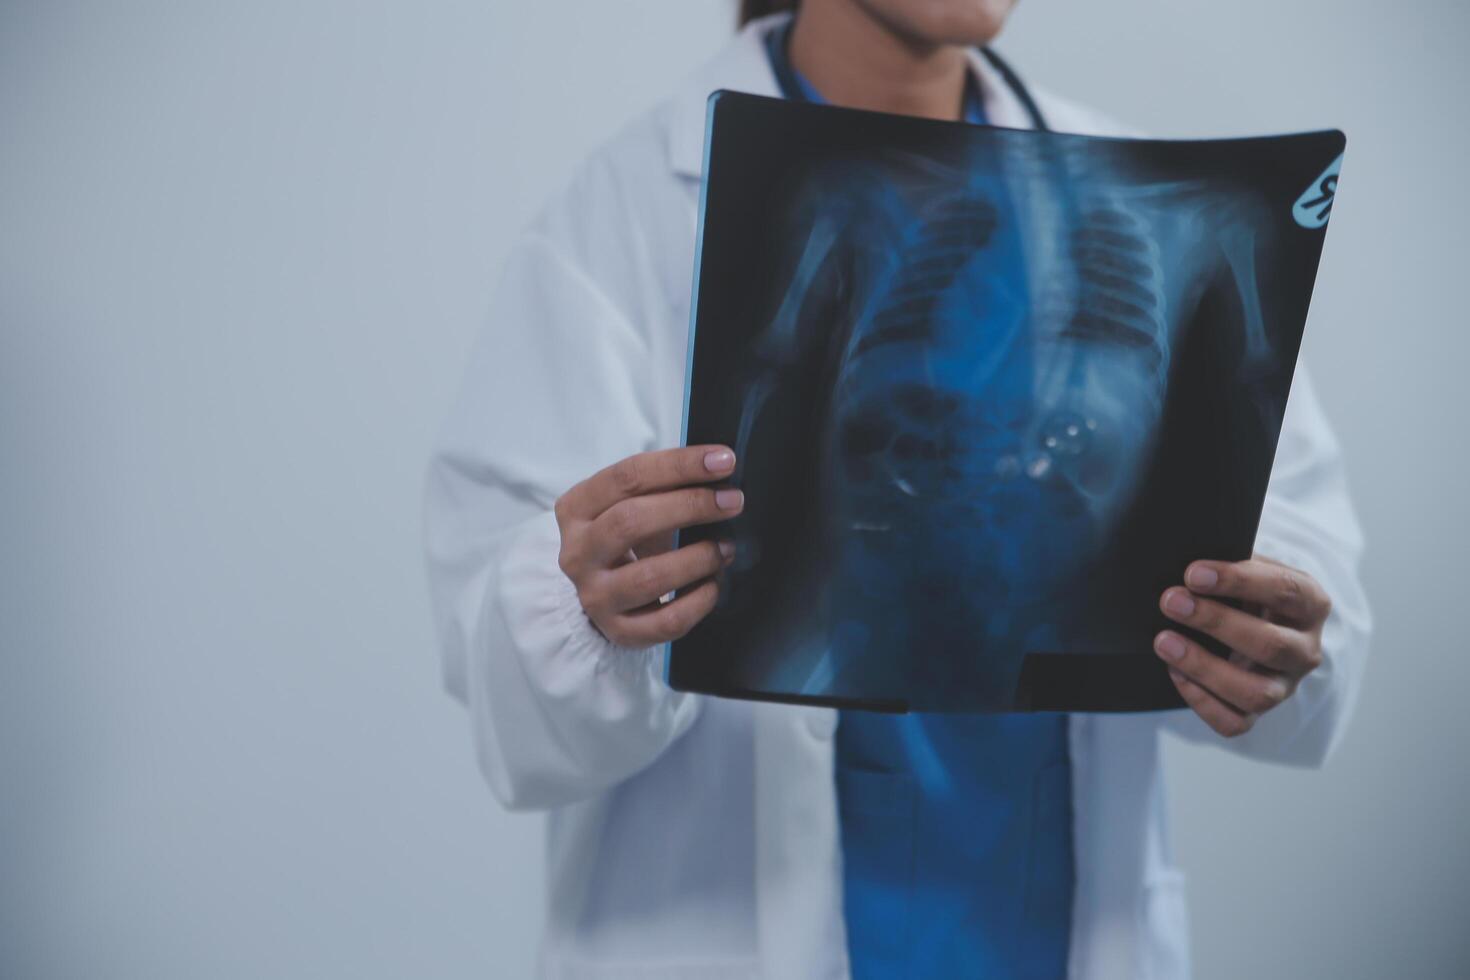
<point>544,615</point>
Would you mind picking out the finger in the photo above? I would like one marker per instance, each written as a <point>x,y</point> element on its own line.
<point>1291,596</point>
<point>630,521</point>
<point>667,621</point>
<point>656,545</point>
<point>662,469</point>
<point>641,582</point>
<point>1272,645</point>
<point>1247,691</point>
<point>1216,713</point>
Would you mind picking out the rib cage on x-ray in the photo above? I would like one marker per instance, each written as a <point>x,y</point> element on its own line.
<point>999,361</point>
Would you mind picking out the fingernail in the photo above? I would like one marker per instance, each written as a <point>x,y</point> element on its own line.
<point>1201,577</point>
<point>729,499</point>
<point>719,460</point>
<point>1276,691</point>
<point>1179,603</point>
<point>1169,646</point>
<point>727,550</point>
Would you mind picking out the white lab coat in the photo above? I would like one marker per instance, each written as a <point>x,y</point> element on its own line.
<point>695,837</point>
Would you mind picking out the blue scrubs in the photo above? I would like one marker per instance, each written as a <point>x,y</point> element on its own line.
<point>956,829</point>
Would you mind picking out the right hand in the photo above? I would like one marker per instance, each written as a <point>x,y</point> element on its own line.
<point>617,530</point>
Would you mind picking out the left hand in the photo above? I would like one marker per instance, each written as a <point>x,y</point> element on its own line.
<point>1275,640</point>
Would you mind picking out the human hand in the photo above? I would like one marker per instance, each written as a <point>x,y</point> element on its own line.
<point>616,542</point>
<point>1274,641</point>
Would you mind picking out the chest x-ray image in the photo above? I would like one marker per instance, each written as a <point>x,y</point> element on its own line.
<point>990,391</point>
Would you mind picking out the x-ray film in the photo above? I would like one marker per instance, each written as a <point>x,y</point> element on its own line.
<point>990,391</point>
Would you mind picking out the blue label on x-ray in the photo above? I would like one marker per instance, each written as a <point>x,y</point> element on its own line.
<point>1314,207</point>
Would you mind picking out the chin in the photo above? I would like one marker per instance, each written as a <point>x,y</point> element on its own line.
<point>964,22</point>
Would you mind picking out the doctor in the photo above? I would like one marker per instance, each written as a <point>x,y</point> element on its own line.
<point>694,837</point>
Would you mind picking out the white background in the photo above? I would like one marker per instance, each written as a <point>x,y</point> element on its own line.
<point>243,249</point>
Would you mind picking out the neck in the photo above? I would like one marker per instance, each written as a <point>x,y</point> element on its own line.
<point>857,60</point>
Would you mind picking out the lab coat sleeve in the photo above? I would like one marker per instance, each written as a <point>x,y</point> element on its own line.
<point>1308,523</point>
<point>556,388</point>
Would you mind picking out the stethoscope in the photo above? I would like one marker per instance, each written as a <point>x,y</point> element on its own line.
<point>1018,89</point>
<point>792,88</point>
